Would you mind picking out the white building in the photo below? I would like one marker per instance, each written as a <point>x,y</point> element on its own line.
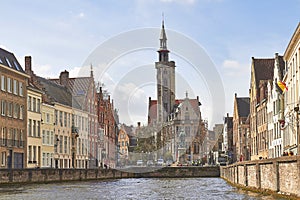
<point>291,97</point>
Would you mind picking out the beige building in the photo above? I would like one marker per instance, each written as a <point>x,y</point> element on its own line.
<point>63,136</point>
<point>80,138</point>
<point>34,117</point>
<point>291,77</point>
<point>13,118</point>
<point>47,134</point>
<point>123,140</point>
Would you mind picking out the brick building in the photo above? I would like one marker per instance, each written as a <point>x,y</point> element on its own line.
<point>240,126</point>
<point>13,118</point>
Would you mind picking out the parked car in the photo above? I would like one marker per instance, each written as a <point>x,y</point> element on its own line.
<point>139,163</point>
<point>150,163</point>
<point>160,162</point>
<point>169,162</point>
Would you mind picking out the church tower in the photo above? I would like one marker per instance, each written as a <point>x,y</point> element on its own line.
<point>165,79</point>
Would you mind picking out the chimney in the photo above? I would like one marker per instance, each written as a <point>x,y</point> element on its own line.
<point>27,64</point>
<point>227,114</point>
<point>64,78</point>
<point>139,124</point>
<point>235,95</point>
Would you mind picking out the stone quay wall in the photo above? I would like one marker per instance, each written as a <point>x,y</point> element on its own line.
<point>280,175</point>
<point>16,176</point>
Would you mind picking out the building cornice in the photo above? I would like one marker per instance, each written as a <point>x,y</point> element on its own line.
<point>15,71</point>
<point>292,43</point>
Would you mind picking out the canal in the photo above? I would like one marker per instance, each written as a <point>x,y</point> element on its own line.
<point>143,188</point>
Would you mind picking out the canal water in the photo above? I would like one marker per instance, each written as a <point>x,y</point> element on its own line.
<point>134,189</point>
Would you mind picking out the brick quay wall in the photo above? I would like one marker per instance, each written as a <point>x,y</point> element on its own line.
<point>278,175</point>
<point>16,176</point>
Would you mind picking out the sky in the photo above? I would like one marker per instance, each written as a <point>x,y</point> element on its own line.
<point>216,37</point>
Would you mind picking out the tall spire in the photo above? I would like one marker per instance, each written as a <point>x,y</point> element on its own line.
<point>163,50</point>
<point>163,36</point>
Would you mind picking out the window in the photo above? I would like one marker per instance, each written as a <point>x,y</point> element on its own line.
<point>65,144</point>
<point>60,118</point>
<point>29,103</point>
<point>3,107</point>
<point>9,85</point>
<point>38,109</point>
<point>48,137</point>
<point>3,158</point>
<point>29,127</point>
<point>21,111</point>
<point>16,110</point>
<point>15,87</point>
<point>51,137</point>
<point>29,154</point>
<point>65,119</point>
<point>15,137</point>
<point>2,136</point>
<point>43,159</point>
<point>34,154</point>
<point>34,104</point>
<point>47,118</point>
<point>34,128</point>
<point>60,143</point>
<point>21,138</point>
<point>10,108</point>
<point>38,128</point>
<point>44,137</point>
<point>17,66</point>
<point>3,83</point>
<point>21,89</point>
<point>8,62</point>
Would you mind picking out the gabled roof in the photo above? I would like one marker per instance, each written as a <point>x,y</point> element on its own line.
<point>152,109</point>
<point>78,86</point>
<point>57,93</point>
<point>243,106</point>
<point>263,69</point>
<point>8,59</point>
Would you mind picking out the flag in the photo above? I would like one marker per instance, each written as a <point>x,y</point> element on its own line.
<point>281,87</point>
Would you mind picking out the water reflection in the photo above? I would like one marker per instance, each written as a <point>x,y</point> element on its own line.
<point>181,188</point>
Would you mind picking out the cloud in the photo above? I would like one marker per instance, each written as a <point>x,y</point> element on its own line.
<point>44,71</point>
<point>131,100</point>
<point>81,15</point>
<point>231,64</point>
<point>74,72</point>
